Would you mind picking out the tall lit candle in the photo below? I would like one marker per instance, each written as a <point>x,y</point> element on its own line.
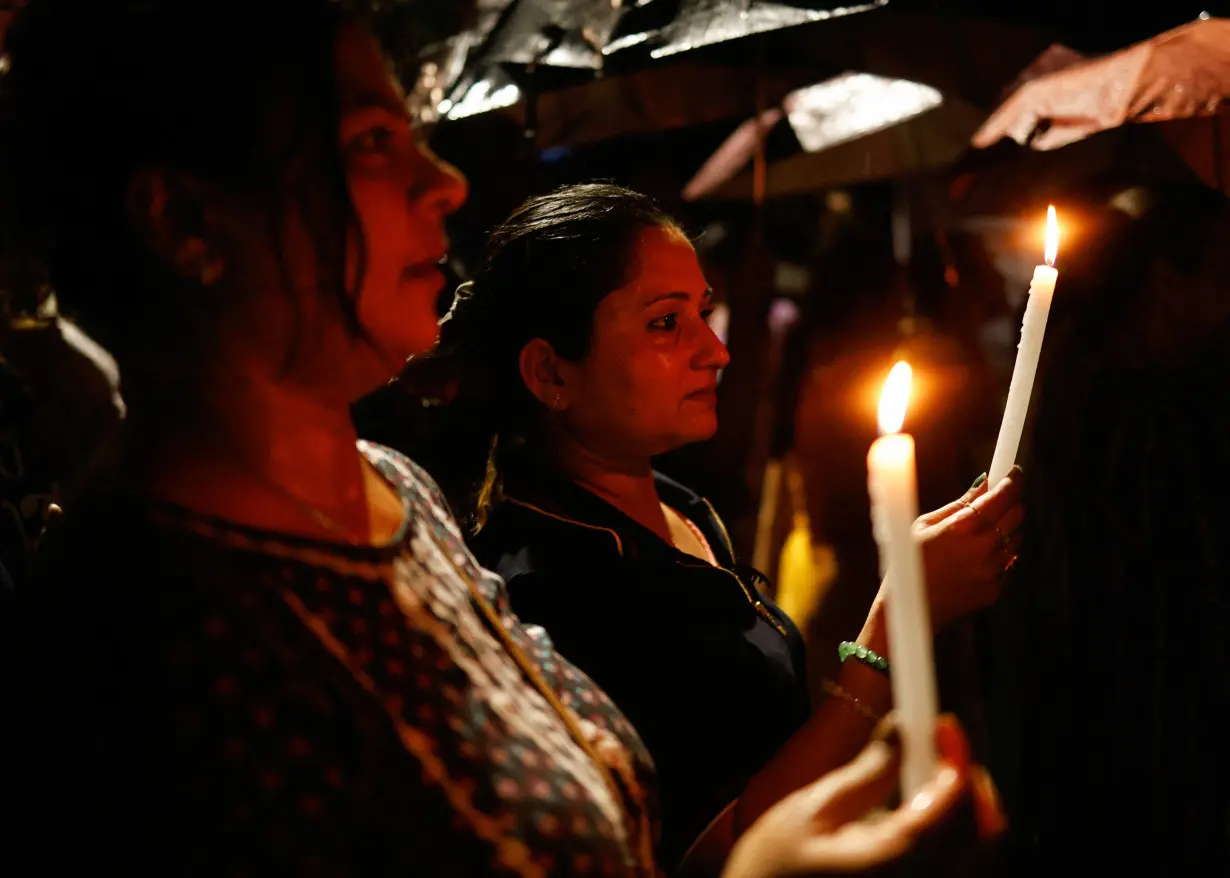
<point>1033,327</point>
<point>892,483</point>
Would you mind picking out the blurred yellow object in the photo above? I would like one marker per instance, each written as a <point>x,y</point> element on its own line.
<point>805,570</point>
<point>767,517</point>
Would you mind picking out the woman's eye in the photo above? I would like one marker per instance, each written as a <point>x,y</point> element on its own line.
<point>373,140</point>
<point>665,324</point>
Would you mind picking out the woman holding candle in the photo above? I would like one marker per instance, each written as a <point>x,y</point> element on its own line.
<point>264,649</point>
<point>584,351</point>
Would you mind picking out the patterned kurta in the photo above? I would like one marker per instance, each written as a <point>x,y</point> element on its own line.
<point>211,699</point>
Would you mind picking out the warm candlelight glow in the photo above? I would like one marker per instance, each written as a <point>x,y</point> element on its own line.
<point>1028,350</point>
<point>894,397</point>
<point>892,484</point>
<point>1052,236</point>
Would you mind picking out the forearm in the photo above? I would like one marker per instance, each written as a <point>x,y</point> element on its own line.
<point>833,735</point>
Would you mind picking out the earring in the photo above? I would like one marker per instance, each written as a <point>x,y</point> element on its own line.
<point>210,271</point>
<point>555,402</point>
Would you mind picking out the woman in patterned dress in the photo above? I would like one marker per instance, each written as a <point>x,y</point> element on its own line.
<point>264,648</point>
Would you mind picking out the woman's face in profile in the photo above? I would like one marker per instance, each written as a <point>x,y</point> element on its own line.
<point>649,382</point>
<point>401,193</point>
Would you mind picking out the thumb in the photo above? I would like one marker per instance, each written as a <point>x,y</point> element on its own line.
<point>850,792</point>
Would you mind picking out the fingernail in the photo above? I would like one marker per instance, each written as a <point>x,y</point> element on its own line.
<point>951,742</point>
<point>978,482</point>
<point>988,806</point>
<point>944,778</point>
<point>1016,470</point>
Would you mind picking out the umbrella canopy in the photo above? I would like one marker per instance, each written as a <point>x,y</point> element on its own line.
<point>561,57</point>
<point>552,62</point>
<point>648,101</point>
<point>854,128</point>
<point>963,56</point>
<point>701,23</point>
<point>1181,74</point>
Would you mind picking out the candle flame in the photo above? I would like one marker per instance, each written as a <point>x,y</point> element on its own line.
<point>1052,236</point>
<point>894,397</point>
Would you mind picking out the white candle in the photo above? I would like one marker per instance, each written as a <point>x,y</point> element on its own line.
<point>893,487</point>
<point>1033,327</point>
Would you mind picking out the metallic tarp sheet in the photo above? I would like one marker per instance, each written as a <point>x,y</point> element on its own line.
<point>494,90</point>
<point>854,105</point>
<point>443,66</point>
<point>555,33</point>
<point>703,23</point>
<point>581,33</point>
<point>558,33</point>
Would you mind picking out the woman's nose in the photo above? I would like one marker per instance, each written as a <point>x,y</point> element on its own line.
<point>447,188</point>
<point>712,354</point>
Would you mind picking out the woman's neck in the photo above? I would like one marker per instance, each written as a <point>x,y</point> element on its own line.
<point>261,454</point>
<point>627,484</point>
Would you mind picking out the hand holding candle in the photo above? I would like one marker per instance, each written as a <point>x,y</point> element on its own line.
<point>1033,327</point>
<point>892,483</point>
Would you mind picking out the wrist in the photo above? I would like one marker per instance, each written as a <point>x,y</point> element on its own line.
<point>874,634</point>
<point>866,683</point>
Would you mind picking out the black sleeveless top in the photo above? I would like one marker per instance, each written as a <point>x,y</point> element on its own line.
<point>708,670</point>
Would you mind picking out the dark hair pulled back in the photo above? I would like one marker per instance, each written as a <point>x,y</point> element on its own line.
<point>238,94</point>
<point>544,272</point>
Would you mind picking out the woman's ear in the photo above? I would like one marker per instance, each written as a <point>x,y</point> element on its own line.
<point>540,370</point>
<point>170,213</point>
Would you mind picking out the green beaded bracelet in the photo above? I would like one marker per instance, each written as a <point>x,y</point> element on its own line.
<point>848,649</point>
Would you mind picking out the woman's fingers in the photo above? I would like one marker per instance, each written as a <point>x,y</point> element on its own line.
<point>929,830</point>
<point>866,782</point>
<point>858,847</point>
<point>1012,520</point>
<point>996,558</point>
<point>951,743</point>
<point>936,516</point>
<point>988,809</point>
<point>995,503</point>
<point>848,793</point>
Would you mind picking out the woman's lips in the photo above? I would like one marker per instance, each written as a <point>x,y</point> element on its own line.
<point>424,272</point>
<point>706,395</point>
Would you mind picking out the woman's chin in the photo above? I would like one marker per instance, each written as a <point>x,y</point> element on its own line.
<point>372,364</point>
<point>412,338</point>
<point>700,429</point>
<point>424,342</point>
<point>403,325</point>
